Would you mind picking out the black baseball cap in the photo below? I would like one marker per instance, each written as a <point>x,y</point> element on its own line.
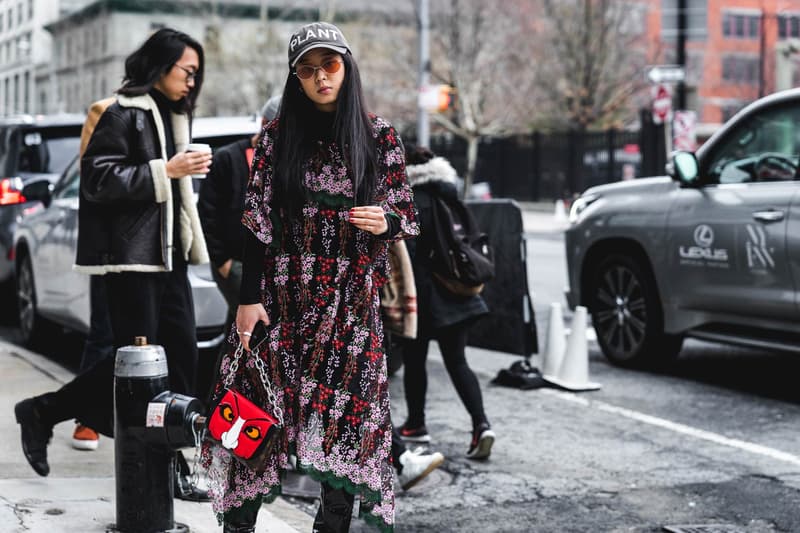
<point>316,35</point>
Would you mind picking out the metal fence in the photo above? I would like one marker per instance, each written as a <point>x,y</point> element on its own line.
<point>546,166</point>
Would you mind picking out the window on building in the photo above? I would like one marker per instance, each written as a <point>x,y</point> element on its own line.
<point>30,9</point>
<point>26,92</point>
<point>2,20</point>
<point>16,102</point>
<point>10,17</point>
<point>740,69</point>
<point>20,13</point>
<point>789,26</point>
<point>741,25</point>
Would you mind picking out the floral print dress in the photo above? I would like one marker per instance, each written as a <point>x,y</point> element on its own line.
<point>325,357</point>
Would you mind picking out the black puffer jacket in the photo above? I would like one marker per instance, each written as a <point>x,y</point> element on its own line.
<point>126,210</point>
<point>437,308</point>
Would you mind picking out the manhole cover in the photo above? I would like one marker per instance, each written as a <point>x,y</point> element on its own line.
<point>704,528</point>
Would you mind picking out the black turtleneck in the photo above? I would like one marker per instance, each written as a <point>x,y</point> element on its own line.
<point>323,125</point>
<point>165,108</point>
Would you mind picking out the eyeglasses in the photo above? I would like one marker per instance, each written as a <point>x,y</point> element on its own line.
<point>191,75</point>
<point>305,72</point>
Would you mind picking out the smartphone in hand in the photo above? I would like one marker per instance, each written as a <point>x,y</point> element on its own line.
<point>260,334</point>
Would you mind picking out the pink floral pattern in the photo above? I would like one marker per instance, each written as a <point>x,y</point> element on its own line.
<point>325,356</point>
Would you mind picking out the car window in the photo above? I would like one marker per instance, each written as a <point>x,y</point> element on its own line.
<point>764,147</point>
<point>46,150</point>
<point>69,184</point>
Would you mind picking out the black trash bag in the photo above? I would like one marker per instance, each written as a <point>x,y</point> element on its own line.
<point>521,375</point>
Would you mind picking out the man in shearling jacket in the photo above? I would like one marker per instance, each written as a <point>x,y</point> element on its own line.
<point>138,227</point>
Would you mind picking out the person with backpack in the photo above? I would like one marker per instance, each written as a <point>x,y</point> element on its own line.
<point>443,315</point>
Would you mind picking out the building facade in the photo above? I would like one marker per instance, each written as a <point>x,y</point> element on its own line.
<point>736,52</point>
<point>24,47</point>
<point>244,43</point>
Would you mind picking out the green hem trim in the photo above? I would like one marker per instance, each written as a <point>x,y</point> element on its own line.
<point>375,521</point>
<point>339,482</point>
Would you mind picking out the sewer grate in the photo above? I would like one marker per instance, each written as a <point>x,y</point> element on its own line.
<point>704,528</point>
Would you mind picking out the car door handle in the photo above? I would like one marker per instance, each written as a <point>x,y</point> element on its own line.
<point>771,215</point>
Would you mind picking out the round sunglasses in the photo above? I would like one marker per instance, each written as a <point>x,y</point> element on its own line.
<point>330,66</point>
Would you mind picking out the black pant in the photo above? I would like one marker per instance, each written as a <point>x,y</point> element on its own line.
<point>100,341</point>
<point>157,305</point>
<point>398,448</point>
<point>452,342</point>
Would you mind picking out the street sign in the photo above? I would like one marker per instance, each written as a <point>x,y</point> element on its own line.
<point>684,131</point>
<point>662,103</point>
<point>666,74</point>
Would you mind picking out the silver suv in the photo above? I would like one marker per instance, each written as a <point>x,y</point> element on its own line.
<point>712,251</point>
<point>32,150</point>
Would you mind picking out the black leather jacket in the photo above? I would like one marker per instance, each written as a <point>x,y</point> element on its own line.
<point>125,216</point>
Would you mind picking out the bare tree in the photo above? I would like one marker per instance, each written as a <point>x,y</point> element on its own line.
<point>595,66</point>
<point>482,49</point>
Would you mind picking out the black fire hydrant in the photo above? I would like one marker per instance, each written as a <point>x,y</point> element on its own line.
<point>150,423</point>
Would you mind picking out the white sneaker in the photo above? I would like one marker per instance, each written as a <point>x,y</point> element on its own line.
<point>416,466</point>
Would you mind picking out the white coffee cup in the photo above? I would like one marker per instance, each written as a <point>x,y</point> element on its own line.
<point>198,147</point>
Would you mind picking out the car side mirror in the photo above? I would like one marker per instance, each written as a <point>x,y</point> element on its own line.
<point>686,169</point>
<point>41,191</point>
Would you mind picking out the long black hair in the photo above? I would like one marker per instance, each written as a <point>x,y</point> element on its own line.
<point>297,131</point>
<point>155,58</point>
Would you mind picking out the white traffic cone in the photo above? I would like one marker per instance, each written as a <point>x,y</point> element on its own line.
<point>556,342</point>
<point>560,214</point>
<point>573,373</point>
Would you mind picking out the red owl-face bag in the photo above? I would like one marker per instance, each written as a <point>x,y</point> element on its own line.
<point>240,426</point>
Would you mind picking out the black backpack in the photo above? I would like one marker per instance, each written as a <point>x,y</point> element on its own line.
<point>461,257</point>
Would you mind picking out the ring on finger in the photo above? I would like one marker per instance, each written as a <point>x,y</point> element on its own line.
<point>247,334</point>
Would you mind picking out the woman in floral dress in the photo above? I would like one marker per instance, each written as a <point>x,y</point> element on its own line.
<point>327,194</point>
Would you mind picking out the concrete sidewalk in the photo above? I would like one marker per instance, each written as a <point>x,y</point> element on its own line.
<point>78,495</point>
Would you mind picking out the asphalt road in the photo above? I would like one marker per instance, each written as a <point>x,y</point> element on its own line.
<point>710,441</point>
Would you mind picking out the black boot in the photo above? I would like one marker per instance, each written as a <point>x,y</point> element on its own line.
<point>242,519</point>
<point>335,511</point>
<point>36,433</point>
<point>233,528</point>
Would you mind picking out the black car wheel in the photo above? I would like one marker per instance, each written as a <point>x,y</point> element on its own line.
<point>626,314</point>
<point>30,324</point>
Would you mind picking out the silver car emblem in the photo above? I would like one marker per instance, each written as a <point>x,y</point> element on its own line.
<point>704,236</point>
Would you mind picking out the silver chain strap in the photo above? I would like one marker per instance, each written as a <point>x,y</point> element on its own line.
<point>277,411</point>
<point>198,438</point>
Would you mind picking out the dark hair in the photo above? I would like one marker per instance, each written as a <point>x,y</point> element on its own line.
<point>418,155</point>
<point>155,58</point>
<point>296,135</point>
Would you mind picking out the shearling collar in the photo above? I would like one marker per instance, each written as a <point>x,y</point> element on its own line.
<point>437,169</point>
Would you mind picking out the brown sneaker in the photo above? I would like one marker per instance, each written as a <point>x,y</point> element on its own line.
<point>84,438</point>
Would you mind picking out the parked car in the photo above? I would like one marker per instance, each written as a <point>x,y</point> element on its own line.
<point>31,149</point>
<point>45,242</point>
<point>711,251</point>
